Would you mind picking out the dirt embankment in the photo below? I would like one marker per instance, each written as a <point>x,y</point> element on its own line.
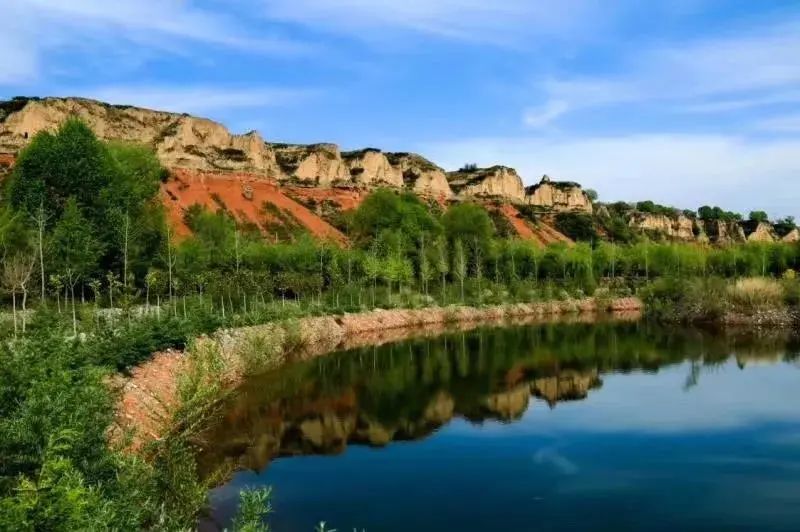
<point>251,199</point>
<point>149,396</point>
<point>539,233</point>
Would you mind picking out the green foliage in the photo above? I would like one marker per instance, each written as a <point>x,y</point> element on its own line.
<point>758,216</point>
<point>708,214</point>
<point>577,226</point>
<point>468,222</point>
<point>385,211</point>
<point>254,508</point>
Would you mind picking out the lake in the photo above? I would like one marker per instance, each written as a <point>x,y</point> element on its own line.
<point>605,426</point>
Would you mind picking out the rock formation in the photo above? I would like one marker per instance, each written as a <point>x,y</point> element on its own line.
<point>371,168</point>
<point>495,182</point>
<point>680,227</point>
<point>179,140</point>
<point>315,164</point>
<point>791,236</point>
<point>722,232</point>
<point>759,231</point>
<point>558,196</point>
<point>421,175</point>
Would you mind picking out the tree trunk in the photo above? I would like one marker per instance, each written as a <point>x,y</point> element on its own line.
<point>14,309</point>
<point>74,315</point>
<point>24,308</point>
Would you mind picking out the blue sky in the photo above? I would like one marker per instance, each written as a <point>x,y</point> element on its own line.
<point>684,101</point>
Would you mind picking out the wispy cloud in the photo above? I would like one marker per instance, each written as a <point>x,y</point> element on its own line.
<point>781,124</point>
<point>725,73</point>
<point>33,29</point>
<point>503,22</point>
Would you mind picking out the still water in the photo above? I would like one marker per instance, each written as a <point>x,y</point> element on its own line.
<point>603,426</point>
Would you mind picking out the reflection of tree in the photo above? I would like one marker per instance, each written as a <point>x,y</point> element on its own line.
<point>406,391</point>
<point>694,375</point>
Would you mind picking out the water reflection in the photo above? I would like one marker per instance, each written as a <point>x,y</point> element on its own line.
<point>407,391</point>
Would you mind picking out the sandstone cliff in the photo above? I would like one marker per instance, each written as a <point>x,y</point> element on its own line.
<point>680,227</point>
<point>759,232</point>
<point>720,232</point>
<point>558,196</point>
<point>179,140</point>
<point>421,175</point>
<point>792,236</point>
<point>315,164</point>
<point>371,168</point>
<point>495,182</point>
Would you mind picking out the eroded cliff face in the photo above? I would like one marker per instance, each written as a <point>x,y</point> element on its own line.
<point>313,164</point>
<point>759,232</point>
<point>371,168</point>
<point>720,232</point>
<point>179,140</point>
<point>420,175</point>
<point>791,236</point>
<point>680,227</point>
<point>558,196</point>
<point>495,182</point>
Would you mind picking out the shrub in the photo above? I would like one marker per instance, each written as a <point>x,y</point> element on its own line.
<point>756,293</point>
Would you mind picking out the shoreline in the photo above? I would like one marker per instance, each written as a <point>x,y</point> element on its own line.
<point>149,398</point>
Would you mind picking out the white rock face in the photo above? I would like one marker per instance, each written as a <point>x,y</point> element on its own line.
<point>680,227</point>
<point>370,168</point>
<point>179,140</point>
<point>495,182</point>
<point>558,196</point>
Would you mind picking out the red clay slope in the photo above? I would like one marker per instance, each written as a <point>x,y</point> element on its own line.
<point>243,195</point>
<point>539,233</point>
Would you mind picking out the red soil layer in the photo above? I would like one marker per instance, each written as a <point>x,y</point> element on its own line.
<point>214,191</point>
<point>345,198</point>
<point>7,160</point>
<point>541,233</point>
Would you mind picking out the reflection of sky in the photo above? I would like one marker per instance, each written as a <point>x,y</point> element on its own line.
<point>639,453</point>
<point>725,397</point>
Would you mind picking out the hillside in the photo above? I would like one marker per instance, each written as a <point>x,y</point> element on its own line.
<point>305,187</point>
<point>213,167</point>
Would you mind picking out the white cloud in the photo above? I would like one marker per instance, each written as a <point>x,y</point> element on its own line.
<point>33,29</point>
<point>746,69</point>
<point>196,99</point>
<point>781,124</point>
<point>681,170</point>
<point>542,116</point>
<point>496,22</point>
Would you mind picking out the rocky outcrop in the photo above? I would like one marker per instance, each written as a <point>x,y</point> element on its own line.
<point>420,175</point>
<point>759,231</point>
<point>679,227</point>
<point>495,182</point>
<point>371,168</point>
<point>558,196</point>
<point>722,232</point>
<point>791,236</point>
<point>179,140</point>
<point>315,164</point>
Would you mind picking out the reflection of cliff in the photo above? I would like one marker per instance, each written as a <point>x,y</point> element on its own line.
<point>398,392</point>
<point>299,426</point>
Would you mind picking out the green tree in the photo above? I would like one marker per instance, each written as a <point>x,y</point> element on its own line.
<point>75,250</point>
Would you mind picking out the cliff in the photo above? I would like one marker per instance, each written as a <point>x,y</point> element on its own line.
<point>759,231</point>
<point>679,227</point>
<point>179,140</point>
<point>558,196</point>
<point>494,182</point>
